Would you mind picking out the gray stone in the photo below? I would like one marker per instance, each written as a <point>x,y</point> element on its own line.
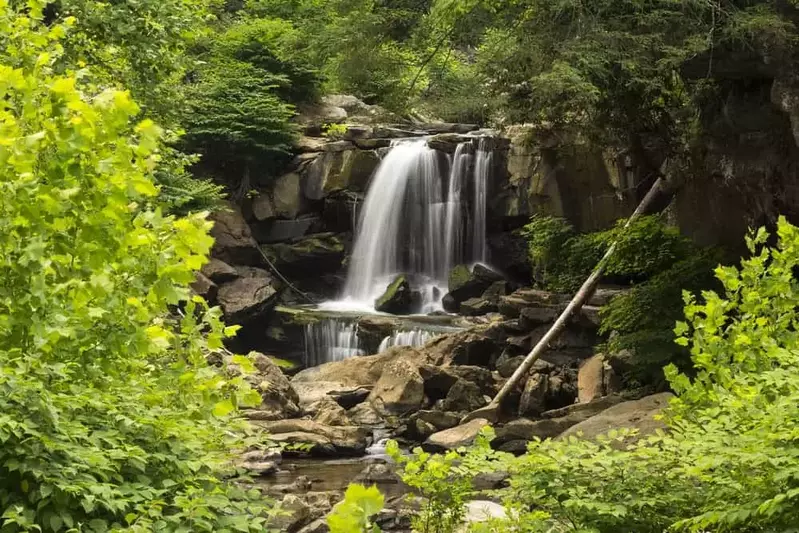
<point>477,307</point>
<point>286,196</point>
<point>365,414</point>
<point>247,297</point>
<point>637,414</point>
<point>533,401</point>
<point>322,440</point>
<point>294,514</point>
<point>233,240</point>
<point>317,526</point>
<point>440,420</point>
<point>464,396</point>
<point>456,437</point>
<point>400,388</point>
<point>204,287</point>
<point>219,271</point>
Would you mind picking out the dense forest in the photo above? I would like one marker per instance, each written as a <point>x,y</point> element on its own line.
<point>125,125</point>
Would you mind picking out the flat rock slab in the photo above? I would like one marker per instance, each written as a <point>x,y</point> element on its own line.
<point>636,414</point>
<point>454,438</point>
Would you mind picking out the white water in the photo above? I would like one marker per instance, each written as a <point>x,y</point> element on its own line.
<point>482,170</point>
<point>330,340</point>
<point>416,337</point>
<point>415,220</point>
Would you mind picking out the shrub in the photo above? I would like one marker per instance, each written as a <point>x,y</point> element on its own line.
<point>110,417</point>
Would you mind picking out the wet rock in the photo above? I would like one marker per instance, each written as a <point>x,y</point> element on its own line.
<point>247,297</point>
<point>400,388</point>
<point>464,396</point>
<point>233,241</point>
<point>398,298</point>
<point>465,284</point>
<point>322,440</point>
<point>637,414</point>
<point>204,287</point>
<point>219,271</point>
<point>477,307</point>
<point>450,304</point>
<point>373,329</point>
<point>453,438</point>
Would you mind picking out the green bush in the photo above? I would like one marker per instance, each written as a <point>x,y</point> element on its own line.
<point>110,416</point>
<point>654,259</point>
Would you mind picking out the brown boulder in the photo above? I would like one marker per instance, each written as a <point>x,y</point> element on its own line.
<point>636,414</point>
<point>249,296</point>
<point>234,243</point>
<point>454,438</point>
<point>400,388</point>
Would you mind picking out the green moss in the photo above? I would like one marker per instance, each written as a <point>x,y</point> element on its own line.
<point>391,292</point>
<point>458,277</point>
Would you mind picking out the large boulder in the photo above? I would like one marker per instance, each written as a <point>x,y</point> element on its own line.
<point>278,398</point>
<point>454,438</point>
<point>308,256</point>
<point>255,292</point>
<point>438,380</point>
<point>321,439</point>
<point>400,388</point>
<point>637,414</point>
<point>596,378</point>
<point>373,329</point>
<point>464,396</point>
<point>463,348</point>
<point>465,284</point>
<point>398,298</point>
<point>233,241</point>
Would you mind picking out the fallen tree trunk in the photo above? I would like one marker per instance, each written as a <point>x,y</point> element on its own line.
<point>491,411</point>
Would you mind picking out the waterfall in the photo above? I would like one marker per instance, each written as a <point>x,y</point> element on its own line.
<point>377,255</point>
<point>330,340</point>
<point>482,170</point>
<point>416,337</point>
<point>414,221</point>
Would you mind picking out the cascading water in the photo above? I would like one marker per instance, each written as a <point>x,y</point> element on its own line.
<point>482,169</point>
<point>331,340</point>
<point>416,337</point>
<point>423,213</point>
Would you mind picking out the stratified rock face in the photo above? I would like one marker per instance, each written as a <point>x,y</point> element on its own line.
<point>456,437</point>
<point>234,243</point>
<point>637,414</point>
<point>308,256</point>
<point>249,296</point>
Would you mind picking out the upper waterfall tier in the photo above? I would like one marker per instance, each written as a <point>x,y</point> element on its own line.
<point>424,212</point>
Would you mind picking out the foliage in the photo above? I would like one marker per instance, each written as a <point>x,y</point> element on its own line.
<point>354,513</point>
<point>658,261</point>
<point>444,481</point>
<point>729,461</point>
<point>111,417</point>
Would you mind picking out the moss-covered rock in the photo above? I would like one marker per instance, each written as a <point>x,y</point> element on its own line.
<point>310,256</point>
<point>398,298</point>
<point>465,284</point>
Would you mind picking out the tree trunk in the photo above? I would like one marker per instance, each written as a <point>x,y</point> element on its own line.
<point>490,412</point>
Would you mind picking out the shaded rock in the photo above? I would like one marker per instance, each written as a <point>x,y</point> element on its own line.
<point>372,144</point>
<point>438,380</point>
<point>400,388</point>
<point>450,304</point>
<point>477,307</point>
<point>440,420</point>
<point>509,254</point>
<point>637,414</point>
<point>464,396</point>
<point>310,144</point>
<point>465,284</point>
<point>350,398</point>
<point>398,298</point>
<point>418,429</point>
<point>462,348</point>
<point>233,241</point>
<point>338,146</point>
<point>603,295</point>
<point>334,171</point>
<point>490,480</point>
<point>373,329</point>
<point>531,317</point>
<point>511,306</point>
<point>309,256</point>
<point>323,440</point>
<point>447,127</point>
<point>456,437</point>
<point>247,297</point>
<point>533,401</point>
<point>204,287</point>
<point>219,271</point>
<point>495,291</point>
